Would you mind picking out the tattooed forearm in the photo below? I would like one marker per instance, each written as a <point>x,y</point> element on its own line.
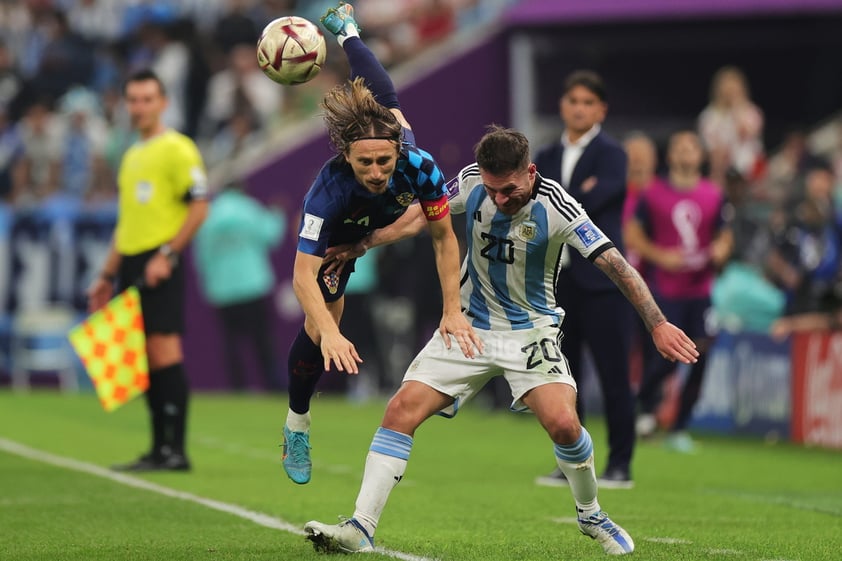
<point>612,263</point>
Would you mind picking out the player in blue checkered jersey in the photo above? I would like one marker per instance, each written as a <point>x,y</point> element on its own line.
<point>377,174</point>
<point>517,224</point>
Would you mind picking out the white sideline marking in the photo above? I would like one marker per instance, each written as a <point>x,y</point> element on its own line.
<point>258,518</point>
<point>670,541</point>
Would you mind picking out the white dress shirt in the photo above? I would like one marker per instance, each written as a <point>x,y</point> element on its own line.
<point>573,151</point>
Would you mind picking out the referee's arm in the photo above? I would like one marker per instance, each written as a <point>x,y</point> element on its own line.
<point>161,266</point>
<point>197,211</point>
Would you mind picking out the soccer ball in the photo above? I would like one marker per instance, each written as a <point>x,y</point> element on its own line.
<point>291,50</point>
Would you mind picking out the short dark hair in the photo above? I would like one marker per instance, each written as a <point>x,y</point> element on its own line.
<point>502,151</point>
<point>142,76</point>
<point>589,80</point>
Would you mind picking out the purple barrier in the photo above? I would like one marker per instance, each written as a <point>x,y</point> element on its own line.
<point>544,12</point>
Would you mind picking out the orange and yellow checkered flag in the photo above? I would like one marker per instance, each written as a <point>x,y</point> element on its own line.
<point>112,346</point>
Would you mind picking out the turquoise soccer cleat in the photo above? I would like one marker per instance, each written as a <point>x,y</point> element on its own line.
<point>296,458</point>
<point>337,19</point>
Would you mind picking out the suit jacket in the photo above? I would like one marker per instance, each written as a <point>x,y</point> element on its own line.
<point>605,160</point>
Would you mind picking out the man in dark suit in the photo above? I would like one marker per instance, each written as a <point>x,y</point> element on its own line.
<point>592,167</point>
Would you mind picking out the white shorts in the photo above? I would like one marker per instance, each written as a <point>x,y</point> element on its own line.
<point>527,358</point>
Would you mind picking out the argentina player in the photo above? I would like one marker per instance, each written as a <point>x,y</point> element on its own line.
<point>375,177</point>
<point>517,224</point>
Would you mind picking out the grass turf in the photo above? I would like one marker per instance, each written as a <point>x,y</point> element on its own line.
<point>468,493</point>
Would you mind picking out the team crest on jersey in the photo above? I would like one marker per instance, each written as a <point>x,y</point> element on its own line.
<point>331,281</point>
<point>528,231</point>
<point>588,233</point>
<point>405,199</point>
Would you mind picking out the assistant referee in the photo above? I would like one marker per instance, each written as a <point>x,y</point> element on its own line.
<point>163,201</point>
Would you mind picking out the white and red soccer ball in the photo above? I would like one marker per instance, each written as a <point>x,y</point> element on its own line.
<point>291,50</point>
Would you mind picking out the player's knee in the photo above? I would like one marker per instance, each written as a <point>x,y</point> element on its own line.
<point>404,414</point>
<point>564,429</point>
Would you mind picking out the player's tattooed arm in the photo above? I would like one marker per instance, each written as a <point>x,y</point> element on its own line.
<point>628,280</point>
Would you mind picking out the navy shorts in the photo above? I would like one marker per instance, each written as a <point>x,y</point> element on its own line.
<point>163,306</point>
<point>333,285</point>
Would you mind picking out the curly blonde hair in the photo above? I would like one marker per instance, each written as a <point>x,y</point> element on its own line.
<point>351,113</point>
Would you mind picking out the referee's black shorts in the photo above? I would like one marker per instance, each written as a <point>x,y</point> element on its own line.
<point>163,306</point>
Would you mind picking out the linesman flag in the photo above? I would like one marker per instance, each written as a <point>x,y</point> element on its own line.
<point>112,346</point>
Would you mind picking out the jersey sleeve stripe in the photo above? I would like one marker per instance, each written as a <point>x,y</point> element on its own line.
<point>470,171</point>
<point>560,202</point>
<point>600,250</point>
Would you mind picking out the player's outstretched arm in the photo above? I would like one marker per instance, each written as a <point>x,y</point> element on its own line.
<point>335,347</point>
<point>453,322</point>
<point>408,225</point>
<point>671,342</point>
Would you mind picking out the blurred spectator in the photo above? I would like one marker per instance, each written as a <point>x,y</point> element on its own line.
<point>239,132</point>
<point>84,136</point>
<point>232,258</point>
<point>731,127</point>
<point>678,230</point>
<point>11,152</point>
<point>66,60</point>
<point>97,21</point>
<point>642,157</point>
<point>236,26</point>
<point>786,169</point>
<point>241,89</point>
<point>42,138</point>
<point>807,258</point>
<point>743,297</point>
<point>815,321</point>
<point>433,20</point>
<point>11,83</point>
<point>169,58</point>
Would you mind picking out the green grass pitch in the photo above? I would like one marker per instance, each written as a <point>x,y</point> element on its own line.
<point>468,493</point>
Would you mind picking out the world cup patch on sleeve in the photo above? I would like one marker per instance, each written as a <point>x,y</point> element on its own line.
<point>311,227</point>
<point>588,233</point>
<point>452,187</point>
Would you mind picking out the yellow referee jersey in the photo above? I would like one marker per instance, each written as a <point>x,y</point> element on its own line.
<point>157,179</point>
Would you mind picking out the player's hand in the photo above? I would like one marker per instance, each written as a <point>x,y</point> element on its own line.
<point>336,256</point>
<point>158,269</point>
<point>674,344</point>
<point>340,351</point>
<point>458,326</point>
<point>99,293</point>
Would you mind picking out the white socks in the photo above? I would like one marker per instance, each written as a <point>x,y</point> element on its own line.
<point>297,422</point>
<point>384,468</point>
<point>350,31</point>
<point>576,462</point>
<point>381,475</point>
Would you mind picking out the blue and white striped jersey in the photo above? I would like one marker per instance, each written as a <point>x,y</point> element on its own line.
<point>510,271</point>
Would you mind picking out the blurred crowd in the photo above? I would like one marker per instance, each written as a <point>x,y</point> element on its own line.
<point>783,211</point>
<point>63,62</point>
